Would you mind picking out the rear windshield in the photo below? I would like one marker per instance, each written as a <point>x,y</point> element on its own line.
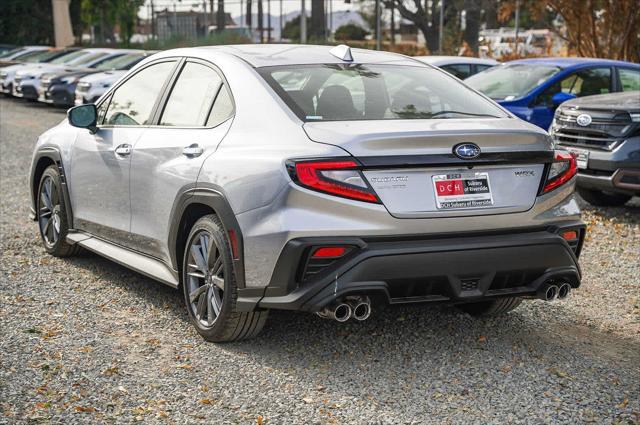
<point>345,92</point>
<point>508,82</point>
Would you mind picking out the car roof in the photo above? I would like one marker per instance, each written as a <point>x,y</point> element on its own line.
<point>259,55</point>
<point>448,60</point>
<point>569,62</point>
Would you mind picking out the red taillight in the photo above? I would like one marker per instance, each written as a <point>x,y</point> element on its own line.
<point>563,168</point>
<point>569,235</point>
<point>310,174</point>
<point>329,252</point>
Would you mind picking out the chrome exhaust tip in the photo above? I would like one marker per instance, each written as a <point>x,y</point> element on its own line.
<point>362,309</point>
<point>563,291</point>
<point>551,293</point>
<point>340,312</point>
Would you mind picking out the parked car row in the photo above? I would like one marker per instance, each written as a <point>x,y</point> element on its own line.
<point>52,75</point>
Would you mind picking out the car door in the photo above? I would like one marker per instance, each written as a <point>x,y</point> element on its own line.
<point>99,175</point>
<point>585,82</point>
<point>167,158</point>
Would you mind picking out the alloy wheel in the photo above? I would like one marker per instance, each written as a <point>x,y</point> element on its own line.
<point>205,278</point>
<point>49,211</point>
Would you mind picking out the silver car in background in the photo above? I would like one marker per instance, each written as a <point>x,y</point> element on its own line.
<point>309,178</point>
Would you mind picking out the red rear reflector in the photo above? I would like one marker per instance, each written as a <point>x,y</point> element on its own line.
<point>233,240</point>
<point>570,235</point>
<point>329,251</point>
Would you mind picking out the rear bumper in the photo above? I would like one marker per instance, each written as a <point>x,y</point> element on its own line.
<point>441,268</point>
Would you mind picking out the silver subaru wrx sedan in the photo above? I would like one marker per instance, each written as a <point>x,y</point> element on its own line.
<point>311,178</point>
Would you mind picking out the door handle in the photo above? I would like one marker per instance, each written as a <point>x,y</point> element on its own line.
<point>123,150</point>
<point>192,151</point>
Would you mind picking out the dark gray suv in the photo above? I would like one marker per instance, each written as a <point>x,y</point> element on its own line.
<point>603,132</point>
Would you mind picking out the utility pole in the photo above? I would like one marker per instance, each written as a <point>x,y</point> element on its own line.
<point>241,13</point>
<point>153,21</point>
<point>260,21</point>
<point>378,26</point>
<point>393,24</point>
<point>280,21</point>
<point>268,21</point>
<point>303,23</point>
<point>175,20</point>
<point>517,25</point>
<point>441,27</point>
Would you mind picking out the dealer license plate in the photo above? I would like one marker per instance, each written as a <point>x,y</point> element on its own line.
<point>462,190</point>
<point>582,157</point>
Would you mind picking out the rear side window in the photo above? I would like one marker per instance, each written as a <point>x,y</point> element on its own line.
<point>192,97</point>
<point>132,102</point>
<point>341,92</point>
<point>459,70</point>
<point>586,82</point>
<point>629,79</point>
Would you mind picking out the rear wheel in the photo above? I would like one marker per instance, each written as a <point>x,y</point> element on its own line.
<point>491,308</point>
<point>52,215</point>
<point>603,199</point>
<point>210,289</point>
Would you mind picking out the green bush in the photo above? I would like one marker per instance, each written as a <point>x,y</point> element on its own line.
<point>350,31</point>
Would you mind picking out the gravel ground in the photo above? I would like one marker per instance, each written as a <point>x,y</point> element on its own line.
<point>85,340</point>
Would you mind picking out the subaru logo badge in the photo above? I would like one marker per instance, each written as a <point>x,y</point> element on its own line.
<point>583,120</point>
<point>467,150</point>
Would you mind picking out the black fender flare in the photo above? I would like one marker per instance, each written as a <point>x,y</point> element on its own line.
<point>213,197</point>
<point>54,155</point>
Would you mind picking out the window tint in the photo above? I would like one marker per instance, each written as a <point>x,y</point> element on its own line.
<point>337,92</point>
<point>222,108</point>
<point>459,70</point>
<point>192,96</point>
<point>133,101</point>
<point>582,83</point>
<point>630,79</point>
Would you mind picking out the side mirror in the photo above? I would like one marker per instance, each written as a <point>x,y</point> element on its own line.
<point>84,116</point>
<point>561,97</point>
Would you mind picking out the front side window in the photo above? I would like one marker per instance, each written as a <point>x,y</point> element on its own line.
<point>337,92</point>
<point>630,79</point>
<point>132,103</point>
<point>192,96</point>
<point>582,83</point>
<point>507,82</point>
<point>120,62</point>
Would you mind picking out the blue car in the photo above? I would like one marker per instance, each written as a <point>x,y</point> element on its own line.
<point>532,89</point>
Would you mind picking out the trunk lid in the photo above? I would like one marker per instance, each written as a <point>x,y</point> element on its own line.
<point>411,166</point>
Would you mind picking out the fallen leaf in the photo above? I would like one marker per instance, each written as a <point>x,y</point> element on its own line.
<point>307,400</point>
<point>624,403</point>
<point>259,420</point>
<point>84,409</point>
<point>482,338</point>
<point>110,371</point>
<point>206,401</point>
<point>184,366</point>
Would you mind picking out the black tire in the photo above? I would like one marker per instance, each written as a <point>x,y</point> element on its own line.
<point>228,324</point>
<point>52,216</point>
<point>491,308</point>
<point>603,199</point>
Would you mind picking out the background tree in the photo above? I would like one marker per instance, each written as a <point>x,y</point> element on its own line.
<point>26,22</point>
<point>424,16</point>
<point>350,31</point>
<point>593,28</point>
<point>291,29</point>
<point>318,21</point>
<point>220,16</point>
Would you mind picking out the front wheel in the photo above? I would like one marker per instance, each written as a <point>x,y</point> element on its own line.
<point>491,308</point>
<point>52,215</point>
<point>210,289</point>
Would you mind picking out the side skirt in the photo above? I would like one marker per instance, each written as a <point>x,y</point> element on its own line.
<point>140,263</point>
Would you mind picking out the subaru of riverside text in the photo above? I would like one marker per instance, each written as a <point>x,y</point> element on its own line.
<point>314,178</point>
